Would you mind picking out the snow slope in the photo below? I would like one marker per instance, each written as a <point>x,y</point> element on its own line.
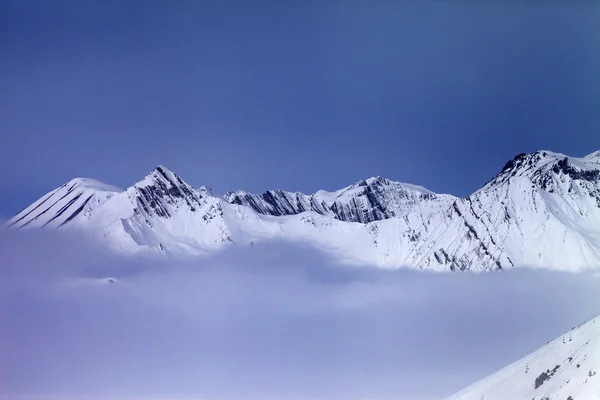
<point>567,368</point>
<point>541,210</point>
<point>73,200</point>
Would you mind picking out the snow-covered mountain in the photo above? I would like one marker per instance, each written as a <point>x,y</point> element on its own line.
<point>541,210</point>
<point>367,201</point>
<point>567,368</point>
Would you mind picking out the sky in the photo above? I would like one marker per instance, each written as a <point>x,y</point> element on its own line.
<point>247,325</point>
<point>306,96</point>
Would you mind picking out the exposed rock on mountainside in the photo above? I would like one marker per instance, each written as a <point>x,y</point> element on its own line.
<point>542,209</point>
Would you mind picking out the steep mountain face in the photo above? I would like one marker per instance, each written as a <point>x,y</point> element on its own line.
<point>367,201</point>
<point>73,200</point>
<point>567,368</point>
<point>160,213</point>
<point>541,210</point>
<point>163,212</point>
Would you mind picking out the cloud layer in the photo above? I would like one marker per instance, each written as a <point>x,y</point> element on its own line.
<point>275,322</point>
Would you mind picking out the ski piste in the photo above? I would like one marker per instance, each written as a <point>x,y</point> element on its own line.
<point>565,368</point>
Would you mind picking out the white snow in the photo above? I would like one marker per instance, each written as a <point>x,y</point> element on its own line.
<point>538,212</point>
<point>72,201</point>
<point>566,368</point>
<point>593,157</point>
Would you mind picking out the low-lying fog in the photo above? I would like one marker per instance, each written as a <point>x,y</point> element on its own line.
<point>269,322</point>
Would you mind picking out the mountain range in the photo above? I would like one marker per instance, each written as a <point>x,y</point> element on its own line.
<point>541,210</point>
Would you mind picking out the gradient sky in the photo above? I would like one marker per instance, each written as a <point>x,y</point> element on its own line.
<point>260,95</point>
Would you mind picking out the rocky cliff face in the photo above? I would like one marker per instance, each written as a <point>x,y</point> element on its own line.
<point>367,201</point>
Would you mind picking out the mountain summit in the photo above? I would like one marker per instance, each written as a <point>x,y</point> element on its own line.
<point>542,210</point>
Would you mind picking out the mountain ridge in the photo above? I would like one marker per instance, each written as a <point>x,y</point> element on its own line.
<point>536,203</point>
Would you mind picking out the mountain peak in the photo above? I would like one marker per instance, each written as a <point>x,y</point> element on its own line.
<point>593,157</point>
<point>163,169</point>
<point>376,179</point>
<point>90,184</point>
<point>164,172</point>
<point>543,166</point>
<point>541,210</point>
<point>163,176</point>
<point>380,181</point>
<point>64,204</point>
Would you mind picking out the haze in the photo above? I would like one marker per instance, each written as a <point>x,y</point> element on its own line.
<point>273,322</point>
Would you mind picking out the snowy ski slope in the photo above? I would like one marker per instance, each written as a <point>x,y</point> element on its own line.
<point>566,368</point>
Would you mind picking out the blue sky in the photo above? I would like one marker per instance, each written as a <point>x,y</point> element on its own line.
<point>318,95</point>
